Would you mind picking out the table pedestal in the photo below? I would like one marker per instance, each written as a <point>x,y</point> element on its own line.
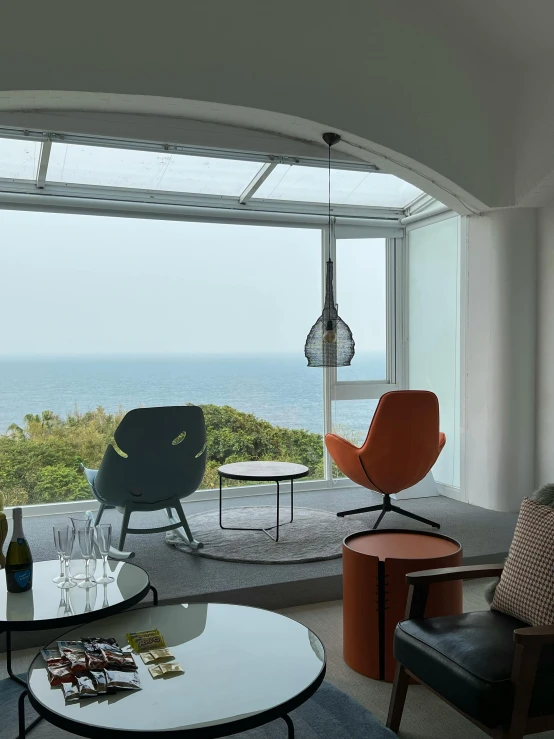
<point>375,565</point>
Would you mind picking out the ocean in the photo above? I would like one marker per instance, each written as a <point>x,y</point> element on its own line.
<point>278,388</point>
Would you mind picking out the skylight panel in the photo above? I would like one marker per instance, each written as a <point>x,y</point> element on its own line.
<point>19,159</point>
<point>130,168</point>
<point>310,184</point>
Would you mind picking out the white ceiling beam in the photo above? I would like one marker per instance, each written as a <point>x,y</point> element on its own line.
<point>43,160</point>
<point>257,181</point>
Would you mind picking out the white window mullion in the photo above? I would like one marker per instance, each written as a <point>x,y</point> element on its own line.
<point>329,373</point>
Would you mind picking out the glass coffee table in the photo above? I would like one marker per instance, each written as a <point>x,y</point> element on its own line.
<point>48,607</point>
<point>243,667</point>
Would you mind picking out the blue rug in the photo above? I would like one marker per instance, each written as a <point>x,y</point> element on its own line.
<point>328,713</point>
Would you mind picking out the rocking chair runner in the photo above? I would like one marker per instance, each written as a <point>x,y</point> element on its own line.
<point>161,460</point>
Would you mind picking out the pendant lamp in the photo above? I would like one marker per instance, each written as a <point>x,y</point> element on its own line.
<point>330,342</point>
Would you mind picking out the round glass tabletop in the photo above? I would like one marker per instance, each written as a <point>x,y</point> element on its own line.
<point>45,605</point>
<point>242,667</point>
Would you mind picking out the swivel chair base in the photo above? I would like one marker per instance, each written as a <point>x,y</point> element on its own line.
<point>384,508</point>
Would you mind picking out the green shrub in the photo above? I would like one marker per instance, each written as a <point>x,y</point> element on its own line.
<point>40,460</point>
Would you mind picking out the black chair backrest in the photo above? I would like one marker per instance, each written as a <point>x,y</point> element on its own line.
<point>162,455</point>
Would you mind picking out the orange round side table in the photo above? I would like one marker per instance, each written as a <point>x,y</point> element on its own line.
<point>375,565</point>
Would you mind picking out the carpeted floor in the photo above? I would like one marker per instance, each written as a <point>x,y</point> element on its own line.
<point>312,536</point>
<point>481,532</point>
<point>329,712</point>
<point>485,536</point>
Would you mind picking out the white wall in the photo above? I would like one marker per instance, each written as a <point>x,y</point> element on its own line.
<point>500,358</point>
<point>434,330</point>
<point>545,347</point>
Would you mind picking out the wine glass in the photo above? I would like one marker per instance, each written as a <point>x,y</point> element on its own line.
<point>104,542</point>
<point>86,541</point>
<point>64,536</point>
<point>78,523</point>
<point>61,577</point>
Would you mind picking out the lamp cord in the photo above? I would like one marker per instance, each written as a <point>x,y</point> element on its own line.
<point>329,211</point>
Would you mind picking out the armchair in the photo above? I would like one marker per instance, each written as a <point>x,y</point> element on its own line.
<point>492,668</point>
<point>402,444</point>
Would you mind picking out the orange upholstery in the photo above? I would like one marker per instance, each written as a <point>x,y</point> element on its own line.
<point>402,444</point>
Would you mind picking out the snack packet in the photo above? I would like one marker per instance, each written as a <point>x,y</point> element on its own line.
<point>106,653</point>
<point>59,671</point>
<point>70,692</point>
<point>76,646</point>
<point>173,668</point>
<point>99,680</point>
<point>118,660</point>
<point>78,660</point>
<point>48,654</point>
<point>119,680</point>
<point>146,640</point>
<point>86,687</point>
<point>156,654</point>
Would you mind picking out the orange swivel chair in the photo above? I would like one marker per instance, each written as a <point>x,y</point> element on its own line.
<point>402,444</point>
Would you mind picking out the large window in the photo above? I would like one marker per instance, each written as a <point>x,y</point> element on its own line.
<point>116,313</point>
<point>185,304</point>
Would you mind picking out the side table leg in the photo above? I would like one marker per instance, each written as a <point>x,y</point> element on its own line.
<point>154,594</point>
<point>21,714</point>
<point>24,730</point>
<point>291,500</point>
<point>9,660</point>
<point>278,511</point>
<point>220,505</point>
<point>290,726</point>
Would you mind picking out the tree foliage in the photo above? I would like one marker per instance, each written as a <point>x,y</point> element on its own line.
<point>40,460</point>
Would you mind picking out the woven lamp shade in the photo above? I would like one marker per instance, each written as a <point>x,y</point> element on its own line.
<point>330,342</point>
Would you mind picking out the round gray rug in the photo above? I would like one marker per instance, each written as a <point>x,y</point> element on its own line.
<point>313,535</point>
<point>328,713</point>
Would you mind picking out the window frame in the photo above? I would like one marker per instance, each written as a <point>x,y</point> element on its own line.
<point>348,222</point>
<point>337,390</point>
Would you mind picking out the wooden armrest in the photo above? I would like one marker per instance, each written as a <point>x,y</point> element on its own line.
<point>444,574</point>
<point>535,635</point>
<point>419,583</point>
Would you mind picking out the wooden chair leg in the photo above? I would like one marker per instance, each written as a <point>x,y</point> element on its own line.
<point>524,669</point>
<point>398,697</point>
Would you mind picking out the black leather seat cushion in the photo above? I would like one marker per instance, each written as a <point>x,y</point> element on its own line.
<point>468,660</point>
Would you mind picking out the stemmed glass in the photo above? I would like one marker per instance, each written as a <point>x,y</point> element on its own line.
<point>61,577</point>
<point>78,524</point>
<point>64,536</point>
<point>86,541</point>
<point>104,542</point>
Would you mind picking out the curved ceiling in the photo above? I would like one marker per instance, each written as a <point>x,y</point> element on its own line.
<point>169,120</point>
<point>432,85</point>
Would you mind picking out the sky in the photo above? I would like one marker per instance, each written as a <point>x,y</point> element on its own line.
<point>95,285</point>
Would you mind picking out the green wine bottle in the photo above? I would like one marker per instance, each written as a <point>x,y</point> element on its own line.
<point>19,561</point>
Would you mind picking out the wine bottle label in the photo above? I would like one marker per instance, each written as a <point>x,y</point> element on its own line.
<point>21,541</point>
<point>22,577</point>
